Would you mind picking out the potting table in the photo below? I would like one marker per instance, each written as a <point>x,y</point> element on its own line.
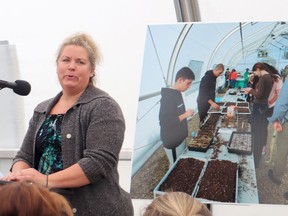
<point>247,191</point>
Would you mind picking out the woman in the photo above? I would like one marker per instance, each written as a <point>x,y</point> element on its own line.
<point>277,84</point>
<point>176,203</point>
<point>73,141</point>
<point>31,199</point>
<point>260,106</point>
<point>276,88</point>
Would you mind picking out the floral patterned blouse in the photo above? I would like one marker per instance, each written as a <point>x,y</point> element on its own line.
<point>48,152</point>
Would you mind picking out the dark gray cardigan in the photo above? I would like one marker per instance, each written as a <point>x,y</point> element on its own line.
<point>92,135</point>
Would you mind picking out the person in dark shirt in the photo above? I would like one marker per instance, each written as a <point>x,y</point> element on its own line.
<point>227,76</point>
<point>258,119</point>
<point>73,141</point>
<point>173,115</point>
<point>206,97</point>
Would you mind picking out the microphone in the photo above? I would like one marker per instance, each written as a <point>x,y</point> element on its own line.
<point>20,87</point>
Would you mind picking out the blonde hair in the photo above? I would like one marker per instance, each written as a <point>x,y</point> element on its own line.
<point>83,40</point>
<point>176,204</point>
<point>30,199</point>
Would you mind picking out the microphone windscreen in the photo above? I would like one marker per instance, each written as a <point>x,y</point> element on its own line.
<point>22,87</point>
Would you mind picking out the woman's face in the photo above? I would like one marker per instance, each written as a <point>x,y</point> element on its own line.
<point>74,68</point>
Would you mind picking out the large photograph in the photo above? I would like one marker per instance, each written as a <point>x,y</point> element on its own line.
<point>211,113</point>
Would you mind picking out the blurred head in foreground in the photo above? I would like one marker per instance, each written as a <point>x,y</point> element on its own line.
<point>23,199</point>
<point>176,204</point>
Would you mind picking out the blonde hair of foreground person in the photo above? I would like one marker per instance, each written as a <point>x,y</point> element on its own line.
<point>24,199</point>
<point>176,204</point>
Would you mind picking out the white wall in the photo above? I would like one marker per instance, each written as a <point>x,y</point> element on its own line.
<point>37,28</point>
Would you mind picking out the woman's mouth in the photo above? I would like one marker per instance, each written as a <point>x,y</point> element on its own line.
<point>70,76</point>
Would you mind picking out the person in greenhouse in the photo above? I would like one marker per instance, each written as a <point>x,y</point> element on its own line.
<point>260,106</point>
<point>246,78</point>
<point>207,89</point>
<point>280,123</point>
<point>227,76</point>
<point>173,114</point>
<point>233,77</point>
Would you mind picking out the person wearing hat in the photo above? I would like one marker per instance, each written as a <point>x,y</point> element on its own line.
<point>173,114</point>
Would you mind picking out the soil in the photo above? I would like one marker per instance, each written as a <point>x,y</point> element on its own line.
<point>243,104</point>
<point>184,176</point>
<point>243,110</point>
<point>219,181</point>
<point>230,104</point>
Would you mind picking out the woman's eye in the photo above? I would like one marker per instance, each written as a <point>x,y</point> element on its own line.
<point>80,62</point>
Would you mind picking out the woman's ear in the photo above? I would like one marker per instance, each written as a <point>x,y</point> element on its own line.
<point>92,73</point>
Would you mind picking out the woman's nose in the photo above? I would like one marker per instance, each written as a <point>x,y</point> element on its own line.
<point>72,65</point>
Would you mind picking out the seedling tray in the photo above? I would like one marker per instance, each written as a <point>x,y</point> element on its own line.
<point>183,176</point>
<point>241,143</point>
